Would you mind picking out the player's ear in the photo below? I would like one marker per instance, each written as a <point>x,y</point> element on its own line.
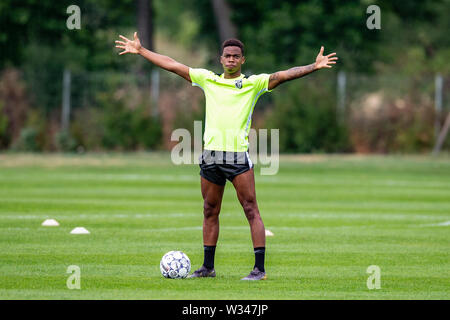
<point>243,60</point>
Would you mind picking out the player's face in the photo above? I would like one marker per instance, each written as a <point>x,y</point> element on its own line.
<point>232,59</point>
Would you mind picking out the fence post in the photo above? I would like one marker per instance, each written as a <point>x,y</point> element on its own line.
<point>65,114</point>
<point>438,82</point>
<point>341,92</point>
<point>154,87</point>
<point>440,135</point>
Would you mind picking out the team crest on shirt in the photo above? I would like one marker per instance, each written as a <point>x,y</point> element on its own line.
<point>238,84</point>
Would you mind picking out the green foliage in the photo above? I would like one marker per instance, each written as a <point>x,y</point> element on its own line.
<point>33,135</point>
<point>44,22</point>
<point>291,32</point>
<point>414,39</point>
<point>28,140</point>
<point>34,38</point>
<point>45,84</point>
<point>186,119</point>
<point>129,129</point>
<point>87,129</point>
<point>177,20</point>
<point>306,117</point>
<point>64,141</point>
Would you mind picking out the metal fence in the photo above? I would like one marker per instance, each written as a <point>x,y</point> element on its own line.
<point>382,113</point>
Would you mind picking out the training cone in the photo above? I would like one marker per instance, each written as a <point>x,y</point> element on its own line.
<point>50,223</point>
<point>269,233</point>
<point>79,230</point>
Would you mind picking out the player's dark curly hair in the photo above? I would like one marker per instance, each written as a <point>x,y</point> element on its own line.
<point>233,43</point>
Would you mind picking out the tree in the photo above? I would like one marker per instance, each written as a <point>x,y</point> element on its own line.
<point>145,22</point>
<point>225,26</point>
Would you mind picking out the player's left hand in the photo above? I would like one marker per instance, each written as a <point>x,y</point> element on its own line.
<point>325,61</point>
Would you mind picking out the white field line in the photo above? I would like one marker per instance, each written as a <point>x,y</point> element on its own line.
<point>107,177</point>
<point>288,180</point>
<point>307,216</point>
<point>103,190</point>
<point>347,203</point>
<point>246,227</point>
<point>96,216</point>
<point>338,180</point>
<point>440,224</point>
<point>131,202</point>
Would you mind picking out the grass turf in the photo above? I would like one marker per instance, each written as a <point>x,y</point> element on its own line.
<point>332,216</point>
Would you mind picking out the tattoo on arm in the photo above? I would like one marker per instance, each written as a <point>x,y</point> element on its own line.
<point>275,76</point>
<point>279,77</point>
<point>298,72</point>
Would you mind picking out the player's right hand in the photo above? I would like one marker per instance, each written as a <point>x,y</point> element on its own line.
<point>129,46</point>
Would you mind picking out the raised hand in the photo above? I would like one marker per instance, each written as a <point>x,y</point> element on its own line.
<point>325,61</point>
<point>129,46</point>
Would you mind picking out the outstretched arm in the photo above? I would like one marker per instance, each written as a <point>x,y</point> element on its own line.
<point>160,60</point>
<point>322,61</point>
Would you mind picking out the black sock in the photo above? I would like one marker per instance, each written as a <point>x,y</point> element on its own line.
<point>208,260</point>
<point>259,258</point>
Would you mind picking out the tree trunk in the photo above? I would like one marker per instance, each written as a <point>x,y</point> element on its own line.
<point>222,12</point>
<point>145,26</point>
<point>145,22</point>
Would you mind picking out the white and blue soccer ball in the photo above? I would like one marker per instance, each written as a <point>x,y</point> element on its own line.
<point>175,265</point>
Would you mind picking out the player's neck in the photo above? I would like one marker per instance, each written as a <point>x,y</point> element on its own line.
<point>232,75</point>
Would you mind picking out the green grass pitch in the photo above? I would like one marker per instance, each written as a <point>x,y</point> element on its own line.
<point>332,217</point>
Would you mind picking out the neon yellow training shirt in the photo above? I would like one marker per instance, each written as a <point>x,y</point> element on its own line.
<point>229,107</point>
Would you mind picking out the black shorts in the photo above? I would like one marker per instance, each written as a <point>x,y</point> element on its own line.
<point>218,166</point>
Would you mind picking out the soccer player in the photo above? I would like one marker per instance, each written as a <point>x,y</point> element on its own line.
<point>230,99</point>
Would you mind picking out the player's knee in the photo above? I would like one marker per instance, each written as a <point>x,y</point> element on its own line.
<point>250,209</point>
<point>210,209</point>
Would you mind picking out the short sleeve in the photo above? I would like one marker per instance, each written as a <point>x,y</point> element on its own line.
<point>261,82</point>
<point>198,76</point>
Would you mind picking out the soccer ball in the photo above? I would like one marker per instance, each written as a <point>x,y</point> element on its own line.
<point>175,265</point>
